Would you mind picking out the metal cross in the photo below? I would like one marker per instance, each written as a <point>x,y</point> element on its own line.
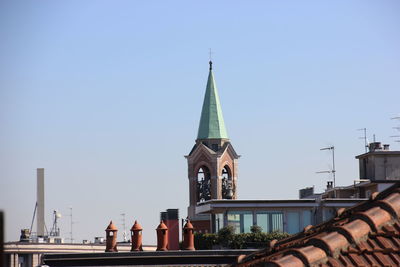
<point>210,53</point>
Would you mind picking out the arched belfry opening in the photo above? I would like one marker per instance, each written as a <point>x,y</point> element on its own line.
<point>203,184</point>
<point>228,187</point>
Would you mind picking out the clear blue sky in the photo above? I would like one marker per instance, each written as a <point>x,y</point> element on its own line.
<point>107,95</point>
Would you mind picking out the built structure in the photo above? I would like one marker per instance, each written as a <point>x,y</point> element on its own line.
<point>214,203</point>
<point>291,216</point>
<point>212,162</point>
<point>364,235</point>
<point>379,163</point>
<point>213,191</point>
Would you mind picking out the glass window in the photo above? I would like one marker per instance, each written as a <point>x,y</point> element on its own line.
<point>277,222</point>
<point>329,214</point>
<point>240,220</point>
<point>293,223</point>
<point>306,218</point>
<point>247,223</point>
<point>263,222</point>
<point>234,220</point>
<point>270,221</point>
<point>219,221</point>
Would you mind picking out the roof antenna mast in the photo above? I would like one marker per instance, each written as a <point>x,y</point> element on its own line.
<point>397,128</point>
<point>365,138</point>
<point>333,170</point>
<point>124,226</point>
<point>71,224</point>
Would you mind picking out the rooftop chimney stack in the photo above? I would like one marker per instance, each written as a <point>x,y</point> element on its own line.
<point>329,185</point>
<point>375,146</point>
<point>40,202</point>
<point>386,147</point>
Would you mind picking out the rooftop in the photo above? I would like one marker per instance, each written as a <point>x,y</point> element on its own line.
<point>216,205</point>
<point>365,235</point>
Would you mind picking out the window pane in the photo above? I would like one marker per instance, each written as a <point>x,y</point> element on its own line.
<point>293,222</point>
<point>306,218</point>
<point>247,222</point>
<point>219,221</point>
<point>234,220</point>
<point>240,220</point>
<point>263,222</point>
<point>328,213</point>
<point>277,222</point>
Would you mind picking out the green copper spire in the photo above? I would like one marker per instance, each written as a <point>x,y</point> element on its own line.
<point>212,124</point>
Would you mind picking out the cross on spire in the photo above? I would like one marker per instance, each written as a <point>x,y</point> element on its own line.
<point>210,54</point>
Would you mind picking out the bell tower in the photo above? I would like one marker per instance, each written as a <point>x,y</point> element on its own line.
<point>212,162</point>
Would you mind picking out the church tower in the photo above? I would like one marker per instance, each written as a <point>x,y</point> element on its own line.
<point>212,162</point>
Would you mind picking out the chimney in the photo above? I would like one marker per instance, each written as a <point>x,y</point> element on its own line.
<point>375,146</point>
<point>329,185</point>
<point>40,202</point>
<point>386,147</point>
<point>171,219</point>
<point>306,192</point>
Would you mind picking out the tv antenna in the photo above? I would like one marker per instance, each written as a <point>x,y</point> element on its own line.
<point>364,137</point>
<point>333,170</point>
<point>124,227</point>
<point>397,128</point>
<point>71,225</point>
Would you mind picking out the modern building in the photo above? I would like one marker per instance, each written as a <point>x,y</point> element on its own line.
<point>289,216</point>
<point>379,163</point>
<point>292,216</point>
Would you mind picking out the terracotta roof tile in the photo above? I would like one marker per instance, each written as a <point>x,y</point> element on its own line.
<point>344,260</point>
<point>365,235</point>
<point>310,254</point>
<point>395,258</point>
<point>391,204</point>
<point>287,261</point>
<point>333,263</point>
<point>357,260</point>
<point>354,230</point>
<point>332,242</point>
<point>375,217</point>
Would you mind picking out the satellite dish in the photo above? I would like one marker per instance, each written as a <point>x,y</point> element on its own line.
<point>58,215</point>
